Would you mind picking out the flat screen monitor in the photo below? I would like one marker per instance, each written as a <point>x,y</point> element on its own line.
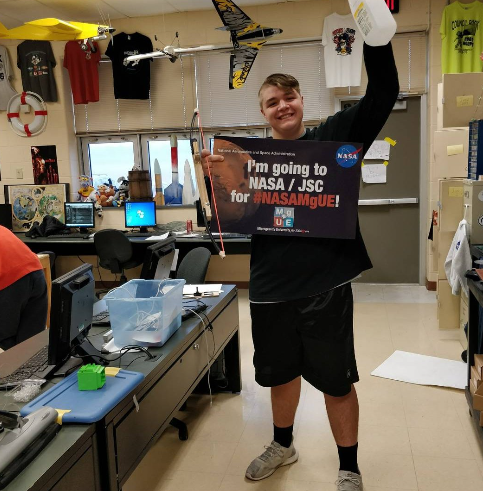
<point>6,215</point>
<point>79,215</point>
<point>72,300</point>
<point>158,260</point>
<point>140,214</point>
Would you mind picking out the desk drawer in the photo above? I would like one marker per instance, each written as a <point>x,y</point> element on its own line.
<point>156,407</point>
<point>224,325</point>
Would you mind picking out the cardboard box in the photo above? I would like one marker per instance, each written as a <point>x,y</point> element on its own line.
<point>478,398</point>
<point>472,387</point>
<point>451,207</point>
<point>479,364</point>
<point>459,102</point>
<point>475,377</point>
<point>451,153</point>
<point>448,307</point>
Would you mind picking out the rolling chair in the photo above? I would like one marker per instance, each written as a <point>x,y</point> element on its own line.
<point>194,266</point>
<point>115,252</point>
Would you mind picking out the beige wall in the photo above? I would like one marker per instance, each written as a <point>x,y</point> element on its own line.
<point>298,20</point>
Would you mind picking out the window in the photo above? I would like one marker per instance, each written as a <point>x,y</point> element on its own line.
<point>109,158</point>
<point>172,168</point>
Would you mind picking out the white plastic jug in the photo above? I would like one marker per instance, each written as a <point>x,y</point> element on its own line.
<point>375,21</point>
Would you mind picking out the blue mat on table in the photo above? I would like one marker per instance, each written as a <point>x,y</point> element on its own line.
<point>86,406</point>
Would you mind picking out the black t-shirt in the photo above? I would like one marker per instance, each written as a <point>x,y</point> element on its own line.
<point>36,62</point>
<point>131,79</point>
<point>286,268</point>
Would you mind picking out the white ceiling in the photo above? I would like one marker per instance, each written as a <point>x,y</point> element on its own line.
<point>16,12</point>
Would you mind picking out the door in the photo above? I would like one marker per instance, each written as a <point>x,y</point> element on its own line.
<point>389,213</point>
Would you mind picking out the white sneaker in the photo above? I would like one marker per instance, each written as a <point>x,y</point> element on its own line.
<point>349,481</point>
<point>275,456</point>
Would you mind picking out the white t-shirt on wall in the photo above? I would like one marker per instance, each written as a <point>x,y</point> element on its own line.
<point>343,44</point>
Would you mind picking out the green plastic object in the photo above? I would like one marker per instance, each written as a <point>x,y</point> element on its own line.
<point>91,377</point>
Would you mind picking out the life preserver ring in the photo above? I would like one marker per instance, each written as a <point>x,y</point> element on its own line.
<point>40,111</point>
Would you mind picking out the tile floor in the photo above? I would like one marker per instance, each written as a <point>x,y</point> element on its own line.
<point>411,437</point>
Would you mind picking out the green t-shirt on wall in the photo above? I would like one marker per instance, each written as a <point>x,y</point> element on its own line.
<point>462,36</point>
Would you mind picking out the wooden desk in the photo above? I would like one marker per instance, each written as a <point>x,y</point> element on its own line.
<point>82,247</point>
<point>475,300</point>
<point>101,457</point>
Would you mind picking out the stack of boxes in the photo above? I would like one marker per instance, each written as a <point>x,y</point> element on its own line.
<point>476,385</point>
<point>458,197</point>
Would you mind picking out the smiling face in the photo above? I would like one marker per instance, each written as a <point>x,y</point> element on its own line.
<point>283,108</point>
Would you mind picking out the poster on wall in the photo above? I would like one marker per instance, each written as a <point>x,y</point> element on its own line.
<point>281,187</point>
<point>31,202</point>
<point>44,164</point>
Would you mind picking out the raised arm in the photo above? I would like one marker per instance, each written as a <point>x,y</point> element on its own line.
<point>363,122</point>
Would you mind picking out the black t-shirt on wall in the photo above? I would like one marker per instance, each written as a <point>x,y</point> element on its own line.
<point>36,62</point>
<point>131,79</point>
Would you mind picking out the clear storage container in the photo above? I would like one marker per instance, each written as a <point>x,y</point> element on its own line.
<point>145,312</point>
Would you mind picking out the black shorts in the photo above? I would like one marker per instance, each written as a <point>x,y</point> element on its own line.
<point>312,337</point>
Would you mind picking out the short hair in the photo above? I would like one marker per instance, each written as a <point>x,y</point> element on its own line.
<point>283,81</point>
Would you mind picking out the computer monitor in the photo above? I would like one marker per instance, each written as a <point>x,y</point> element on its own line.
<point>158,260</point>
<point>79,215</point>
<point>72,300</point>
<point>140,214</point>
<point>6,215</point>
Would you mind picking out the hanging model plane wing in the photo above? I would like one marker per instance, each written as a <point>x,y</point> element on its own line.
<point>247,38</point>
<point>55,30</point>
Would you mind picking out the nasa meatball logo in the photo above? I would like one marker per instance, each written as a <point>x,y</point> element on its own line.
<point>347,156</point>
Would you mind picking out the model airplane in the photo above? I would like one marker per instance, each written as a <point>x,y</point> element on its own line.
<point>56,30</point>
<point>247,38</point>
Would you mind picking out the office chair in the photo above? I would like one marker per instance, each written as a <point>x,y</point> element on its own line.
<point>115,252</point>
<point>194,266</point>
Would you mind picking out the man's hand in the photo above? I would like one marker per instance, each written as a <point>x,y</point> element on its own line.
<point>207,160</point>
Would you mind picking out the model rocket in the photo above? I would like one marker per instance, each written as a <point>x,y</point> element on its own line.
<point>158,181</point>
<point>174,192</point>
<point>188,187</point>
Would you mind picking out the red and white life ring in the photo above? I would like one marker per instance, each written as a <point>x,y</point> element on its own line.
<point>40,111</point>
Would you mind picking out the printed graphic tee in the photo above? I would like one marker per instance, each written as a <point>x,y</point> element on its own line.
<point>6,90</point>
<point>342,51</point>
<point>36,62</point>
<point>83,71</point>
<point>462,38</point>
<point>131,79</point>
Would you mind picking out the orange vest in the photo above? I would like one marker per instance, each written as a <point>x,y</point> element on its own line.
<point>16,259</point>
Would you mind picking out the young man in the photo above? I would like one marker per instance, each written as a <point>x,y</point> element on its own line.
<point>23,291</point>
<point>300,292</point>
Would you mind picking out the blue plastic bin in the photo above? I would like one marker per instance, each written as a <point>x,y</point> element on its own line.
<point>145,312</point>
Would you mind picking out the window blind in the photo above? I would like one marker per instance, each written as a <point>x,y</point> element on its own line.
<point>240,107</point>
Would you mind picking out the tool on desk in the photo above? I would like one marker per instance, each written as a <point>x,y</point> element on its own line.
<point>23,441</point>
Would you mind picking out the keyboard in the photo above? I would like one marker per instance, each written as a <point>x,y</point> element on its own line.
<point>226,235</point>
<point>141,234</point>
<point>101,317</point>
<point>75,235</point>
<point>32,368</point>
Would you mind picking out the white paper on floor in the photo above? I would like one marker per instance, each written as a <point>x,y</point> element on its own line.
<point>423,370</point>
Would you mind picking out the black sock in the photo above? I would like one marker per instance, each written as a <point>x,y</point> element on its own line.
<point>283,436</point>
<point>348,458</point>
